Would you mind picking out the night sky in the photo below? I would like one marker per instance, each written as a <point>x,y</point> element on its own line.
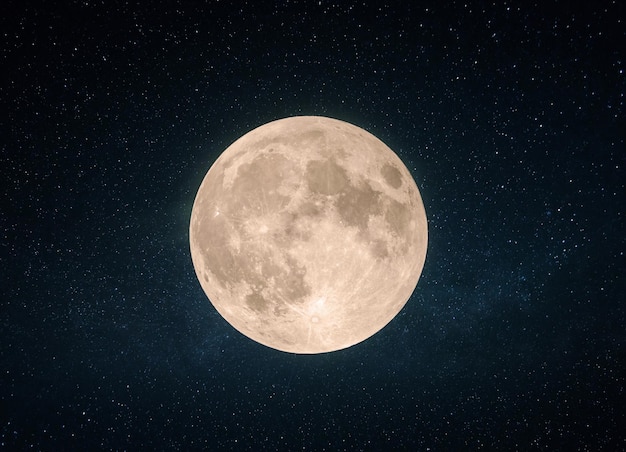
<point>510,116</point>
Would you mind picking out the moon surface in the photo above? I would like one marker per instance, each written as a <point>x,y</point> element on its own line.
<point>308,234</point>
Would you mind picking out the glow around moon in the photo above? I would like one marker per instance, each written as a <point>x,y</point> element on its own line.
<point>308,234</point>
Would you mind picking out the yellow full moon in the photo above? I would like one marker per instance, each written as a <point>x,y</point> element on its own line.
<point>308,234</point>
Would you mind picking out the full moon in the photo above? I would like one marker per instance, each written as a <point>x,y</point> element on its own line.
<point>308,234</point>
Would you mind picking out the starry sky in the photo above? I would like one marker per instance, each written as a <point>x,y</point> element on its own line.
<point>510,116</point>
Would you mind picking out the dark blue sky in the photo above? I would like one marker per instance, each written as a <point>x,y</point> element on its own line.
<point>510,117</point>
